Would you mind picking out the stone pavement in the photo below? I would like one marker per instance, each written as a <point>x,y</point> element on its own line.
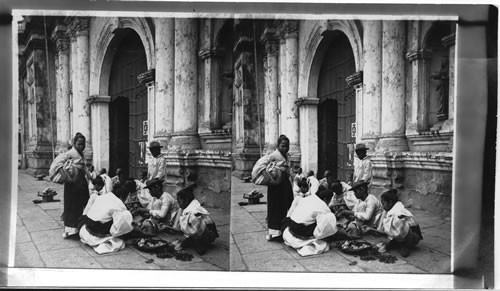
<point>39,243</point>
<point>251,252</point>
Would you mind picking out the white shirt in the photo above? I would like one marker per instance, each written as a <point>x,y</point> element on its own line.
<point>362,169</point>
<point>157,167</point>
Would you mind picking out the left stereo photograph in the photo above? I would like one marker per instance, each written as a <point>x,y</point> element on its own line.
<point>124,149</point>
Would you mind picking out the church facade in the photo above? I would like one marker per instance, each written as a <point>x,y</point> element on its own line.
<point>329,84</point>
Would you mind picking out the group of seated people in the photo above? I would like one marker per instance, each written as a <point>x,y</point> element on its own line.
<point>120,208</point>
<point>326,209</point>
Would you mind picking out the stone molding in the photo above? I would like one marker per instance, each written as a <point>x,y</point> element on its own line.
<point>449,40</point>
<point>420,54</point>
<point>355,79</point>
<point>199,158</point>
<point>304,101</point>
<point>210,53</point>
<point>146,77</point>
<point>442,161</point>
<point>289,28</point>
<point>98,99</point>
<point>270,41</point>
<point>78,26</point>
<point>60,38</point>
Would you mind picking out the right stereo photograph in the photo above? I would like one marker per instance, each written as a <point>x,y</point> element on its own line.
<point>343,134</point>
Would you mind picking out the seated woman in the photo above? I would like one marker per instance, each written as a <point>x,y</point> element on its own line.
<point>309,221</point>
<point>195,222</point>
<point>160,212</point>
<point>104,220</point>
<point>399,225</point>
<point>367,213</point>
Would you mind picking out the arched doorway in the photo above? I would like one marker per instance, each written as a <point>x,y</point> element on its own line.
<point>128,107</point>
<point>337,107</point>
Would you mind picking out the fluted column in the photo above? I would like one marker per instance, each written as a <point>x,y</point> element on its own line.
<point>60,37</point>
<point>418,119</point>
<point>74,85</point>
<point>81,109</point>
<point>283,82</point>
<point>393,88</point>
<point>271,98</point>
<point>185,134</point>
<point>161,119</point>
<point>449,42</point>
<point>372,82</point>
<point>99,106</point>
<point>289,109</point>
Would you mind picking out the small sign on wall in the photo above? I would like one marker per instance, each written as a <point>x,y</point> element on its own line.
<point>353,129</point>
<point>145,127</point>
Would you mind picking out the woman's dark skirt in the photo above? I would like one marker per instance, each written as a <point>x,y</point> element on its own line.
<point>76,196</point>
<point>279,200</point>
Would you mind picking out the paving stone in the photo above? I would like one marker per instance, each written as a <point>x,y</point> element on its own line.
<point>55,214</point>
<point>174,264</point>
<point>256,208</point>
<point>218,255</point>
<point>255,242</point>
<point>245,223</point>
<point>92,253</point>
<point>42,222</point>
<point>26,255</point>
<point>127,260</point>
<point>69,258</point>
<point>436,243</point>
<point>22,234</point>
<point>379,267</point>
<point>49,240</point>
<point>52,205</point>
<point>328,262</point>
<point>235,260</point>
<point>430,261</point>
<point>198,266</point>
<point>274,261</point>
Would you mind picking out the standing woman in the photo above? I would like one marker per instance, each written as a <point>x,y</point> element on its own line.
<point>279,197</point>
<point>76,193</point>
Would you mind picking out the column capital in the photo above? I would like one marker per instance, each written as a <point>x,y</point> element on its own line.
<point>355,79</point>
<point>420,54</point>
<point>289,28</point>
<point>146,77</point>
<point>60,38</point>
<point>304,101</point>
<point>270,41</point>
<point>94,99</point>
<point>78,26</point>
<point>210,53</point>
<point>449,40</point>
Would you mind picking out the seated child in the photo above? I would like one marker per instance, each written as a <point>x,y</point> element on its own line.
<point>297,171</point>
<point>399,225</point>
<point>303,188</point>
<point>195,222</point>
<point>367,213</point>
<point>161,211</point>
<point>309,221</point>
<point>313,182</point>
<point>104,220</point>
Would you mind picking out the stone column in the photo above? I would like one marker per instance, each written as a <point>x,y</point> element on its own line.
<point>99,107</point>
<point>246,148</point>
<point>185,134</point>
<point>161,120</point>
<point>289,109</point>
<point>271,98</point>
<point>211,117</point>
<point>393,88</point>
<point>61,40</point>
<point>308,110</point>
<point>418,119</point>
<point>148,79</point>
<point>283,82</point>
<point>372,82</point>
<point>449,42</point>
<point>41,117</point>
<point>356,82</point>
<point>74,83</point>
<point>81,110</point>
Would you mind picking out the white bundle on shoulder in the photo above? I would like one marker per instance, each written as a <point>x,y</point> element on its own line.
<point>268,172</point>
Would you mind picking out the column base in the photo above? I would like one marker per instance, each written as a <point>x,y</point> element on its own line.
<point>392,144</point>
<point>244,160</point>
<point>184,142</point>
<point>370,142</point>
